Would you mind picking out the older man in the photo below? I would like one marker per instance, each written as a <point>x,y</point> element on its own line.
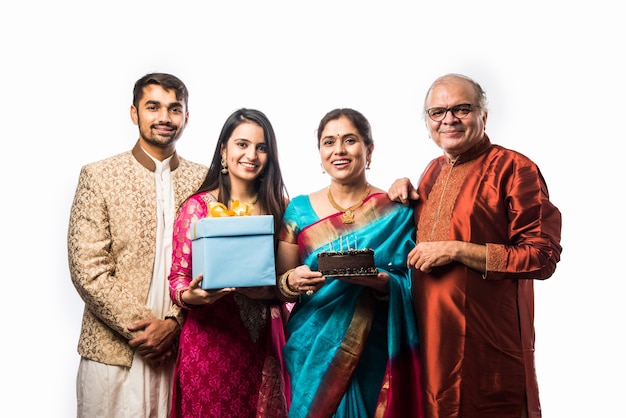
<point>485,229</point>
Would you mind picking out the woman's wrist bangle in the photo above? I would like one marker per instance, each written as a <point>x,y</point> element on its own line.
<point>283,286</point>
<point>179,295</point>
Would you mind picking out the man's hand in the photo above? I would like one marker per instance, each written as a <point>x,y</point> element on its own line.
<point>403,191</point>
<point>156,342</point>
<point>427,255</point>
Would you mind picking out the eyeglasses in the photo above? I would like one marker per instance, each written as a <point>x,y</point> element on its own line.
<point>459,111</point>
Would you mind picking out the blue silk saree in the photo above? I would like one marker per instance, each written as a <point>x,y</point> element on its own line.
<point>348,353</point>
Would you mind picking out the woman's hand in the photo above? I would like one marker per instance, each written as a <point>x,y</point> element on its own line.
<point>195,295</point>
<point>303,280</point>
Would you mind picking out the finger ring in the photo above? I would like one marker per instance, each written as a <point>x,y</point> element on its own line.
<point>309,292</point>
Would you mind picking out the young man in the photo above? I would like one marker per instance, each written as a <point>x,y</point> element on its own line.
<point>119,251</point>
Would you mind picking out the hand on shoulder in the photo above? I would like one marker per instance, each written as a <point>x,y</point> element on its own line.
<point>403,191</point>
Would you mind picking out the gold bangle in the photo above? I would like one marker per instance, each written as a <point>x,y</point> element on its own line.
<point>283,286</point>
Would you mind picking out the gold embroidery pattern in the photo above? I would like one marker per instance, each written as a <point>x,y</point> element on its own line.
<point>111,237</point>
<point>435,218</point>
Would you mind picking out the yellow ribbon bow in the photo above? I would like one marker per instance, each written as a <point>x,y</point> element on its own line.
<point>238,208</point>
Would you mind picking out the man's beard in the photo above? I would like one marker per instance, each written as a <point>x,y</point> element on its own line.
<point>158,140</point>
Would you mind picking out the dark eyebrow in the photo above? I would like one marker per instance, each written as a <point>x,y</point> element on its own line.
<point>342,137</point>
<point>171,105</point>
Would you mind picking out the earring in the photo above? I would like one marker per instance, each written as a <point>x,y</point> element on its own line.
<point>224,169</point>
<point>323,171</point>
<point>367,167</point>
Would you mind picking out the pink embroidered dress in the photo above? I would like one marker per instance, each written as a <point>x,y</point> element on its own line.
<point>229,358</point>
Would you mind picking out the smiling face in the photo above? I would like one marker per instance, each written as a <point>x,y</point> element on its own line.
<point>343,151</point>
<point>245,152</point>
<point>455,135</point>
<point>161,118</point>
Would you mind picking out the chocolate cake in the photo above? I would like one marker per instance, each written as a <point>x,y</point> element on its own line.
<point>347,263</point>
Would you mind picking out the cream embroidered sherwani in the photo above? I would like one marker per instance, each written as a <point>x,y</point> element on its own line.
<point>111,247</point>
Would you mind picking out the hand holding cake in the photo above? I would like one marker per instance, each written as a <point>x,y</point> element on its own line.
<point>301,280</point>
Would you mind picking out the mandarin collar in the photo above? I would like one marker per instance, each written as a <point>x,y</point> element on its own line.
<point>145,160</point>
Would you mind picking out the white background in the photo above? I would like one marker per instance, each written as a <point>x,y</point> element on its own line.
<point>553,72</point>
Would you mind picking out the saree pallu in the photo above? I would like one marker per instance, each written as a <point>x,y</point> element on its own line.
<point>349,354</point>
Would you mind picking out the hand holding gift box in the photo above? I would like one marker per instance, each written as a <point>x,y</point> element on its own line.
<point>233,249</point>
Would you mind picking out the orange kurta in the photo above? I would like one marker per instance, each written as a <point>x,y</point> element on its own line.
<point>477,330</point>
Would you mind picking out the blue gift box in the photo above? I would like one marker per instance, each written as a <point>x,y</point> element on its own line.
<point>233,251</point>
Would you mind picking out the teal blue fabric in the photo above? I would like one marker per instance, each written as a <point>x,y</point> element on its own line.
<point>318,323</point>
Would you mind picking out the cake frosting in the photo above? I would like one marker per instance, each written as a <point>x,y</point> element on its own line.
<point>347,263</point>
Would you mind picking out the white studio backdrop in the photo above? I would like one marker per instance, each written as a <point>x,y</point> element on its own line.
<point>553,73</point>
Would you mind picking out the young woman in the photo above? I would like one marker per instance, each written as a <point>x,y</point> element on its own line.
<point>229,359</point>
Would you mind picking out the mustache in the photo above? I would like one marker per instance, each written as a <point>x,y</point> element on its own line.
<point>452,129</point>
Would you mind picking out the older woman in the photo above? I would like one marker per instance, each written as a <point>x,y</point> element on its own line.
<point>352,347</point>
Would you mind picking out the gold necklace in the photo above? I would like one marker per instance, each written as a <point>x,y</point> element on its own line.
<point>249,203</point>
<point>348,214</point>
